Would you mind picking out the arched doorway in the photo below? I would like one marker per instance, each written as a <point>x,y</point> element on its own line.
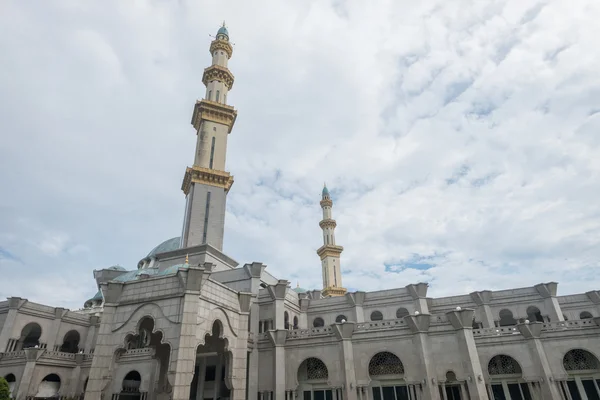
<point>49,387</point>
<point>534,314</point>
<point>387,378</point>
<point>212,366</point>
<point>130,389</point>
<point>12,381</point>
<point>506,379</point>
<point>452,388</point>
<point>313,378</point>
<point>583,370</point>
<point>70,342</point>
<point>506,318</point>
<point>30,336</point>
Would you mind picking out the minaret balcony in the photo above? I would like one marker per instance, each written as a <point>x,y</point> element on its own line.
<point>206,176</point>
<point>218,73</point>
<point>328,223</point>
<point>329,250</point>
<point>220,44</point>
<point>206,110</point>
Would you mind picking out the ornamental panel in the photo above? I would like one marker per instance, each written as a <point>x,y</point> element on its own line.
<point>503,365</point>
<point>580,360</point>
<point>385,363</point>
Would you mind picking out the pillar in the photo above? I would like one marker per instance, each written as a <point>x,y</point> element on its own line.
<point>53,342</point>
<point>255,271</point>
<point>87,345</point>
<point>32,354</point>
<point>278,338</point>
<point>419,294</point>
<point>462,322</point>
<point>218,377</point>
<point>343,332</point>
<point>357,300</point>
<point>201,378</point>
<point>482,299</point>
<point>419,325</point>
<point>277,293</point>
<point>6,331</point>
<point>532,332</point>
<point>548,293</point>
<point>103,354</point>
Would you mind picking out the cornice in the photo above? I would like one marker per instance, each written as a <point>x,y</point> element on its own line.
<point>206,176</point>
<point>328,223</point>
<point>206,110</point>
<point>329,250</point>
<point>326,202</point>
<point>219,44</point>
<point>218,73</point>
<point>334,291</point>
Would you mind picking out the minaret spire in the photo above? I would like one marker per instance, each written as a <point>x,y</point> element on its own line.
<point>206,183</point>
<point>330,252</point>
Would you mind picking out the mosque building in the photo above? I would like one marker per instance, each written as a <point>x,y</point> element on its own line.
<point>191,323</point>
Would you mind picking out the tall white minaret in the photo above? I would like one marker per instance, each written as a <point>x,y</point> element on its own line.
<point>206,183</point>
<point>330,252</point>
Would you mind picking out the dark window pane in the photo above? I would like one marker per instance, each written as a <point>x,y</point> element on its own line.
<point>211,371</point>
<point>376,393</point>
<point>453,392</point>
<point>319,394</point>
<point>515,392</point>
<point>388,393</point>
<point>328,395</point>
<point>498,392</point>
<point>306,395</point>
<point>401,393</point>
<point>573,390</point>
<point>590,389</point>
<point>525,390</point>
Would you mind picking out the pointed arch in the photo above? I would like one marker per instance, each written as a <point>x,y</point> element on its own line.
<point>312,369</point>
<point>502,364</point>
<point>385,363</point>
<point>580,360</point>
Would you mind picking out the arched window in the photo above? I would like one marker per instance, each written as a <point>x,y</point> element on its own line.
<point>580,360</point>
<point>70,342</point>
<point>318,322</point>
<point>376,316</point>
<point>450,376</point>
<point>385,363</point>
<point>30,335</point>
<point>534,314</point>
<point>286,320</point>
<point>212,152</point>
<point>210,95</point>
<point>295,322</point>
<point>506,318</point>
<point>312,369</point>
<point>585,315</point>
<point>218,96</point>
<point>49,386</point>
<point>503,365</point>
<point>402,312</point>
<point>476,325</point>
<point>132,382</point>
<point>341,318</point>
<point>12,381</point>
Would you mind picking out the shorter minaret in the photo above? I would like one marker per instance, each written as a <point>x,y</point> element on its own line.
<point>330,252</point>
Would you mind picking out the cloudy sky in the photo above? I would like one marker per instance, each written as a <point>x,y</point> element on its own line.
<point>460,139</point>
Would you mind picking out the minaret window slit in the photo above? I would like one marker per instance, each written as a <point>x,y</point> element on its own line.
<point>206,217</point>
<point>218,96</point>
<point>209,94</point>
<point>212,153</point>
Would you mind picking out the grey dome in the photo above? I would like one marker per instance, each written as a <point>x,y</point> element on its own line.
<point>167,245</point>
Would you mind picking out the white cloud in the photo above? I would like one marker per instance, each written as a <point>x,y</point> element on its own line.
<point>461,131</point>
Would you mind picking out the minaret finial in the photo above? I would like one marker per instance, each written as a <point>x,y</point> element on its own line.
<point>297,284</point>
<point>187,260</point>
<point>224,24</point>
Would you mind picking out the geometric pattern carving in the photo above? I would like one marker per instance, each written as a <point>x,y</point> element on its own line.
<point>312,369</point>
<point>385,363</point>
<point>206,176</point>
<point>218,73</point>
<point>580,360</point>
<point>221,45</point>
<point>503,365</point>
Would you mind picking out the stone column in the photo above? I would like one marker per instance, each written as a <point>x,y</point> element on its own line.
<point>419,325</point>
<point>75,377</point>
<point>32,355</point>
<point>304,304</point>
<point>357,300</point>
<point>277,293</point>
<point>419,294</point>
<point>6,331</point>
<point>218,377</point>
<point>201,377</point>
<point>88,343</point>
<point>462,322</point>
<point>482,299</point>
<point>343,332</point>
<point>532,332</point>
<point>548,292</point>
<point>593,295</point>
<point>103,354</point>
<point>254,270</point>
<point>53,342</point>
<point>239,354</point>
<point>278,338</point>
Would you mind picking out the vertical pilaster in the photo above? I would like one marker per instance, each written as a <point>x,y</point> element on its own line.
<point>278,338</point>
<point>419,325</point>
<point>103,353</point>
<point>462,322</point>
<point>343,332</point>
<point>548,292</point>
<point>419,294</point>
<point>88,343</point>
<point>357,300</point>
<point>532,332</point>
<point>593,295</point>
<point>482,299</point>
<point>201,378</point>
<point>254,270</point>
<point>218,377</point>
<point>53,342</point>
<point>277,293</point>
<point>6,332</point>
<point>32,354</point>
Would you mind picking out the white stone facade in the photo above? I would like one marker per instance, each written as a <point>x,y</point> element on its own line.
<point>189,323</point>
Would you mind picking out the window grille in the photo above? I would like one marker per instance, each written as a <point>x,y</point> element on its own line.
<point>580,360</point>
<point>503,365</point>
<point>316,369</point>
<point>385,363</point>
